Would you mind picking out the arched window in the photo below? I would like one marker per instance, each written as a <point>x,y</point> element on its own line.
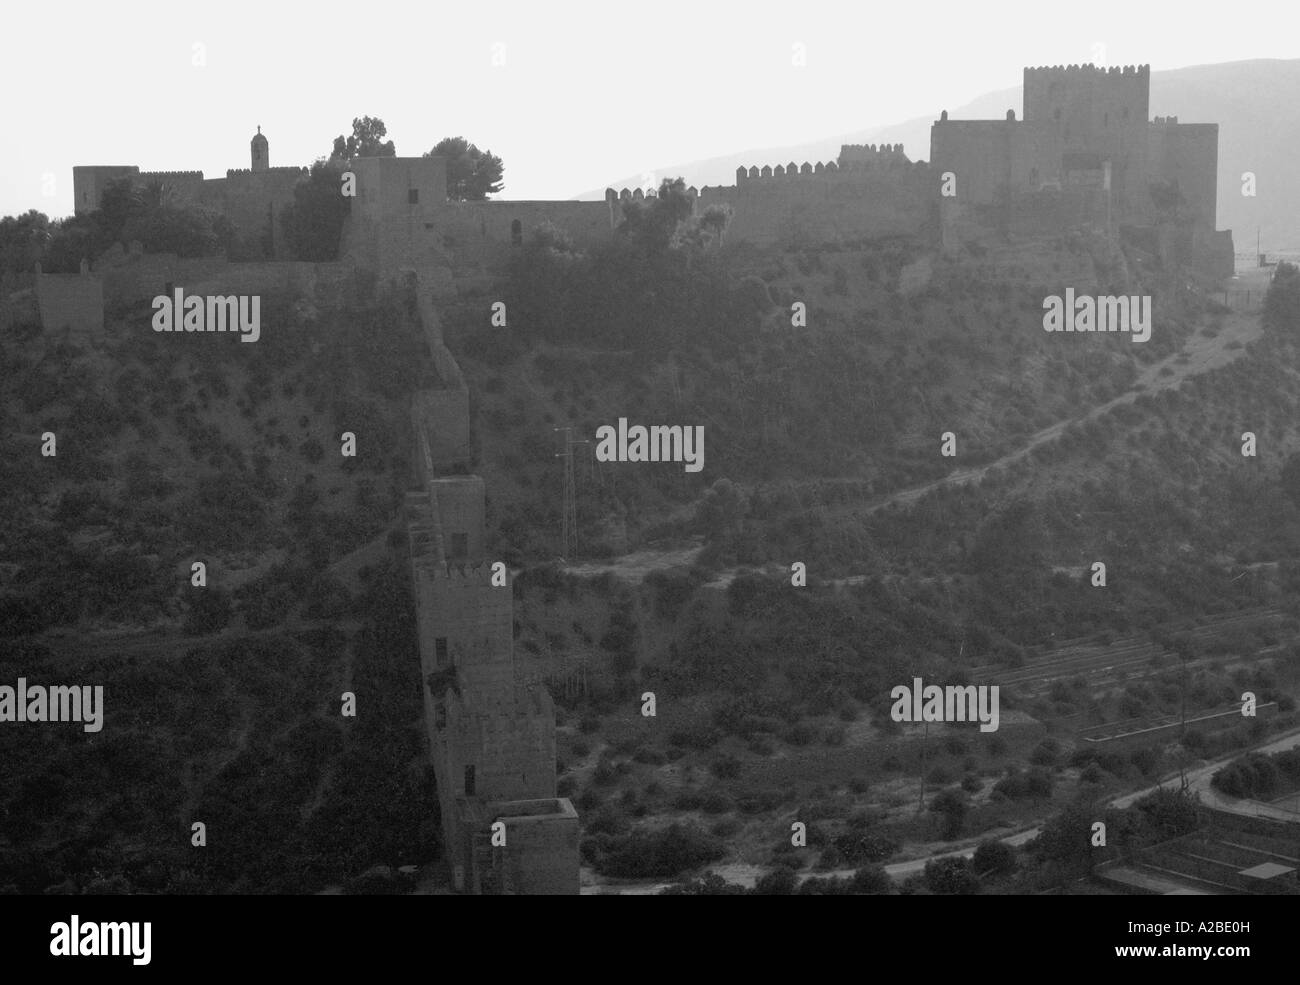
<point>516,233</point>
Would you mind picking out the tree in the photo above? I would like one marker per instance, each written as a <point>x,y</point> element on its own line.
<point>871,880</point>
<point>367,140</point>
<point>652,224</point>
<point>952,806</point>
<point>472,174</point>
<point>951,877</point>
<point>993,857</point>
<point>22,242</point>
<point>313,222</point>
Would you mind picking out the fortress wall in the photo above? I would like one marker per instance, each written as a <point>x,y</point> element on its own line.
<point>482,233</point>
<point>1189,154</point>
<point>71,301</point>
<point>254,202</point>
<point>458,503</point>
<point>833,206</point>
<point>443,417</point>
<point>508,738</point>
<point>978,153</point>
<point>182,187</point>
<point>477,621</point>
<point>142,277</point>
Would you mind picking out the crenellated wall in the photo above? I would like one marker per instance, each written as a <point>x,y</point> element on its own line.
<point>827,202</point>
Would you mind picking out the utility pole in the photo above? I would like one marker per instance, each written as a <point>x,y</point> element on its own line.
<point>569,509</point>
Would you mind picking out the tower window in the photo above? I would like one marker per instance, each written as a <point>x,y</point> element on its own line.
<point>440,651</point>
<point>469,781</point>
<point>516,233</point>
<point>413,196</point>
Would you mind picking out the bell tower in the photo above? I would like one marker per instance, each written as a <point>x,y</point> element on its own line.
<point>261,152</point>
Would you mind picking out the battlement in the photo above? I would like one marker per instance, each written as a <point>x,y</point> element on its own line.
<point>631,194</point>
<point>170,175</point>
<point>854,159</point>
<point>791,170</point>
<point>1137,71</point>
<point>1165,120</point>
<point>870,152</point>
<point>285,170</point>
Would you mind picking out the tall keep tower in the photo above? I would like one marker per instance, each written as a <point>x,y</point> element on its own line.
<point>261,152</point>
<point>1099,115</point>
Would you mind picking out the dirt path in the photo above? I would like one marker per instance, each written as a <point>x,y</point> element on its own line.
<point>1201,354</point>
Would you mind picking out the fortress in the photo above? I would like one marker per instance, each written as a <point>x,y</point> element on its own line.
<point>1085,155</point>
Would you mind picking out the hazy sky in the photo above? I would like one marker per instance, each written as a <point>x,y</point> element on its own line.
<point>588,92</point>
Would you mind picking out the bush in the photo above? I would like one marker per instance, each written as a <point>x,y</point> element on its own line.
<point>657,854</point>
<point>993,857</point>
<point>951,877</point>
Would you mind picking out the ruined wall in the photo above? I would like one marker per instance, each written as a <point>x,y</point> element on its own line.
<point>74,302</point>
<point>140,277</point>
<point>483,233</point>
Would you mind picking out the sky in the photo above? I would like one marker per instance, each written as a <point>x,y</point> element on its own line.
<point>571,96</point>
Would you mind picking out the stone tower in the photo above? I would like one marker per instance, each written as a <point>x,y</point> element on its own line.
<point>261,152</point>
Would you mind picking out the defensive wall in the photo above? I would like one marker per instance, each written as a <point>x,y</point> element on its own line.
<point>491,736</point>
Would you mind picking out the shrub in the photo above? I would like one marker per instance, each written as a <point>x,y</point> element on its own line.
<point>657,854</point>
